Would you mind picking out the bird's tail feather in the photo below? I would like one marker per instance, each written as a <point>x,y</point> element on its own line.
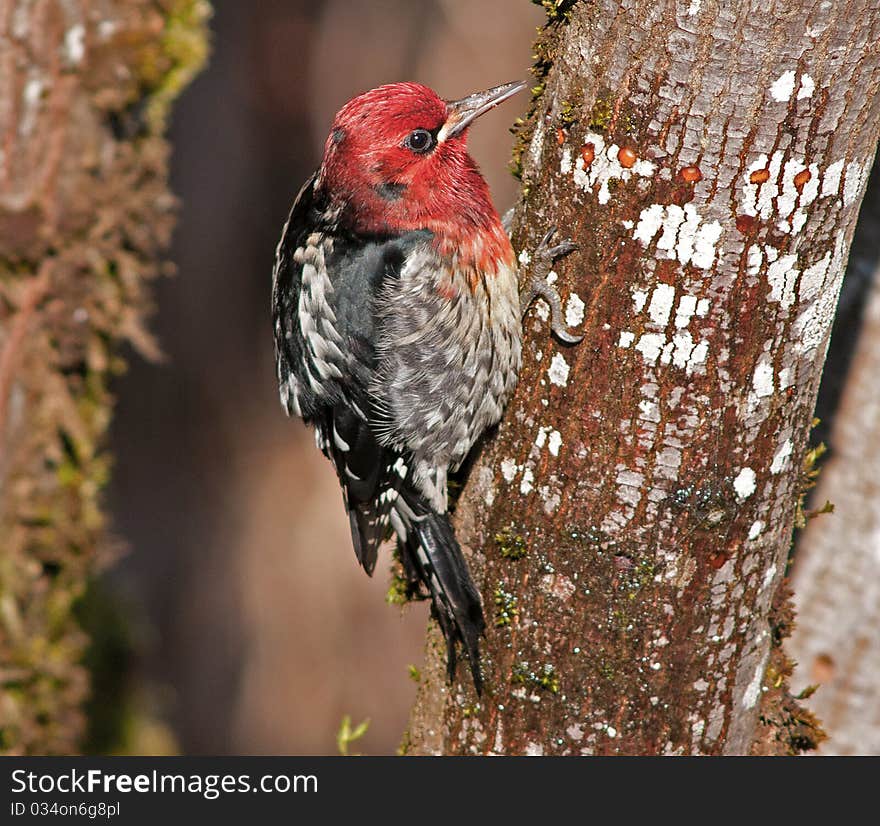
<point>432,552</point>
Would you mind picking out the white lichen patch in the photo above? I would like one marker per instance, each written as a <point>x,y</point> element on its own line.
<point>551,498</point>
<point>684,235</point>
<point>639,298</point>
<point>808,86</point>
<point>813,278</point>
<point>756,529</point>
<point>575,732</point>
<point>527,483</point>
<point>769,576</point>
<point>75,44</point>
<point>687,306</point>
<point>574,310</point>
<point>681,350</point>
<point>662,300</point>
<point>782,88</point>
<point>32,95</point>
<point>650,410</point>
<point>508,469</point>
<point>745,483</point>
<point>558,370</point>
<point>650,222</point>
<point>852,185</point>
<point>536,148</point>
<point>819,289</point>
<point>604,168</point>
<point>566,163</point>
<point>541,438</point>
<point>554,442</point>
<point>684,347</point>
<point>780,460</point>
<point>626,339</point>
<point>831,179</point>
<point>651,345</point>
<point>753,690</point>
<point>754,260</point>
<point>697,356</point>
<point>762,378</point>
<point>782,277</point>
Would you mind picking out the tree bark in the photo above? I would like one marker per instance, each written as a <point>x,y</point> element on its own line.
<point>835,642</point>
<point>630,521</point>
<point>84,213</point>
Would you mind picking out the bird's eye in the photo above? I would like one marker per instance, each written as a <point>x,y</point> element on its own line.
<point>419,141</point>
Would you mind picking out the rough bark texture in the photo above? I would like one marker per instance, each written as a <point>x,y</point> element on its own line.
<point>84,211</point>
<point>837,590</point>
<point>630,522</point>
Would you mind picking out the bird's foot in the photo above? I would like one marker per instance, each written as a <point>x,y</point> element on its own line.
<point>539,287</point>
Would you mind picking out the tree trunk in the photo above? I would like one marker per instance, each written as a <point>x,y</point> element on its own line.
<point>837,591</point>
<point>84,212</point>
<point>629,524</point>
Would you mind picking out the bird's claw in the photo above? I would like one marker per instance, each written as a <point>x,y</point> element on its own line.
<point>539,287</point>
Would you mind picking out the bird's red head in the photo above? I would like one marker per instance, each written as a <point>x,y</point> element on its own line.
<point>396,159</point>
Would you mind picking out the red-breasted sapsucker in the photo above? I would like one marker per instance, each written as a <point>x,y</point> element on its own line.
<point>397,315</point>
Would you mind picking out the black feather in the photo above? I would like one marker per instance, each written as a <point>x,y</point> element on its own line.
<point>433,553</point>
<point>365,473</point>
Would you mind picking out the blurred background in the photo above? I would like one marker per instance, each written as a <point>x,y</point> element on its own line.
<point>249,626</point>
<point>256,630</point>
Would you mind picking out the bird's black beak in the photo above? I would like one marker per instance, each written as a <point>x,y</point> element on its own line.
<point>462,113</point>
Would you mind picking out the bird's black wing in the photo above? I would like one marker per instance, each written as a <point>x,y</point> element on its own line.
<point>325,283</point>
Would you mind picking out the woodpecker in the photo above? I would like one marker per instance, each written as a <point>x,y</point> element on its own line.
<point>398,327</point>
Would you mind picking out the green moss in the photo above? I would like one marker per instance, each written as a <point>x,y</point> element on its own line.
<point>398,590</point>
<point>606,670</point>
<point>543,57</point>
<point>505,607</point>
<point>544,676</point>
<point>510,543</point>
<point>414,673</point>
<point>601,114</point>
<point>810,471</point>
<point>557,10</point>
<point>568,114</point>
<point>644,572</point>
<point>167,66</point>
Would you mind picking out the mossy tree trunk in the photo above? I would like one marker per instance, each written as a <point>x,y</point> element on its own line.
<point>630,522</point>
<point>84,214</point>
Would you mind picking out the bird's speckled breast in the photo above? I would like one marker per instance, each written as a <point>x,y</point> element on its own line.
<point>450,349</point>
